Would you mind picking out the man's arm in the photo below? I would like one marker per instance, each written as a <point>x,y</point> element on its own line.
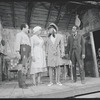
<point>83,46</point>
<point>68,45</point>
<point>18,42</point>
<point>62,47</point>
<point>46,46</point>
<point>17,45</point>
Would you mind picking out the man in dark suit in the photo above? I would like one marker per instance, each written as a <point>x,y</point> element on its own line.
<point>76,51</point>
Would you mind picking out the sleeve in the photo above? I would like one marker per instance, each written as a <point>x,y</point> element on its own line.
<point>18,42</point>
<point>62,46</point>
<point>83,45</point>
<point>46,46</point>
<point>32,46</point>
<point>68,45</point>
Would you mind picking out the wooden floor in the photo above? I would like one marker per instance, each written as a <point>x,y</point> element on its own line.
<point>10,89</point>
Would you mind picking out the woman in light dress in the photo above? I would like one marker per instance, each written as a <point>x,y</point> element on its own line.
<point>38,64</point>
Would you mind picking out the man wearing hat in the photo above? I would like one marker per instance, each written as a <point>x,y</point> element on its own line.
<point>76,51</point>
<point>55,52</point>
<point>22,48</point>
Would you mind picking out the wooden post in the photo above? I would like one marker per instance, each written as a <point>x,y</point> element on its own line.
<point>94,54</point>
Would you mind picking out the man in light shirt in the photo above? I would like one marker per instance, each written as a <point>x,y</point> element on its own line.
<point>22,48</point>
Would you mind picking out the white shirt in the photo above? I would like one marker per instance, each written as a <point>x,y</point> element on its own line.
<point>52,39</point>
<point>21,38</point>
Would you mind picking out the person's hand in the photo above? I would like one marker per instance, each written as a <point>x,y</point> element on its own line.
<point>62,55</point>
<point>67,56</point>
<point>33,58</point>
<point>83,56</point>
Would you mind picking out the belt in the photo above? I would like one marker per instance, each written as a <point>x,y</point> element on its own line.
<point>73,48</point>
<point>25,44</point>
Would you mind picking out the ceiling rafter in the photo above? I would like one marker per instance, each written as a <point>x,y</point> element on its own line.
<point>13,14</point>
<point>85,4</point>
<point>58,16</point>
<point>70,15</point>
<point>29,10</point>
<point>46,7</point>
<point>49,12</point>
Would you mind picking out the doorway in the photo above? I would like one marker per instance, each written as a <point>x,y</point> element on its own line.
<point>96,35</point>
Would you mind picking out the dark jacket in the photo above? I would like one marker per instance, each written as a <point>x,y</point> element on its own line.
<point>80,45</point>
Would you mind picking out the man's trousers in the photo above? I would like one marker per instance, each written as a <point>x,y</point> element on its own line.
<point>24,52</point>
<point>75,57</point>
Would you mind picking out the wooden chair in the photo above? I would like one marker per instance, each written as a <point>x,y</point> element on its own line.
<point>66,63</point>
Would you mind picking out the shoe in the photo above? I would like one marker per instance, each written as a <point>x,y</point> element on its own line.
<point>24,87</point>
<point>33,84</point>
<point>50,84</point>
<point>40,82</point>
<point>73,81</point>
<point>82,81</point>
<point>20,86</point>
<point>59,84</point>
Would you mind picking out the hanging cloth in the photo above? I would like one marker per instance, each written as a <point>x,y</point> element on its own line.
<point>77,21</point>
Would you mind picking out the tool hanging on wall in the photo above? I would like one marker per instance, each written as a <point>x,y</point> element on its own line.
<point>77,20</point>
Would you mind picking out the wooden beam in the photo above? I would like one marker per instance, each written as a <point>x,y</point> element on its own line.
<point>49,12</point>
<point>69,19</point>
<point>13,14</point>
<point>46,7</point>
<point>58,16</point>
<point>75,9</point>
<point>85,4</point>
<point>70,15</point>
<point>29,12</point>
<point>96,72</point>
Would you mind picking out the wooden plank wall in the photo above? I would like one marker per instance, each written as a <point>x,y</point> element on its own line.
<point>11,13</point>
<point>9,37</point>
<point>39,15</point>
<point>19,13</point>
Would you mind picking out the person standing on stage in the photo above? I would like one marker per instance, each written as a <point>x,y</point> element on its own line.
<point>23,49</point>
<point>54,52</point>
<point>76,51</point>
<point>38,64</point>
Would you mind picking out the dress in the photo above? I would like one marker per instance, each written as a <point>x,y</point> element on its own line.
<point>38,51</point>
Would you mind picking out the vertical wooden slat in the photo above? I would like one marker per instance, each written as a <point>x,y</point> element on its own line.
<point>70,16</point>
<point>48,16</point>
<point>94,55</point>
<point>58,16</point>
<point>13,14</point>
<point>29,12</point>
<point>69,19</point>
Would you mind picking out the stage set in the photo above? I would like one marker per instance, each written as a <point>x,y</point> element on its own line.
<point>10,89</point>
<point>64,14</point>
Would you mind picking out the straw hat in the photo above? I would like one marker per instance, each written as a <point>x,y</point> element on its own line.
<point>54,26</point>
<point>36,29</point>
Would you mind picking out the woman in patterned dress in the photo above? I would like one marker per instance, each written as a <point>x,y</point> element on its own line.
<point>38,64</point>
